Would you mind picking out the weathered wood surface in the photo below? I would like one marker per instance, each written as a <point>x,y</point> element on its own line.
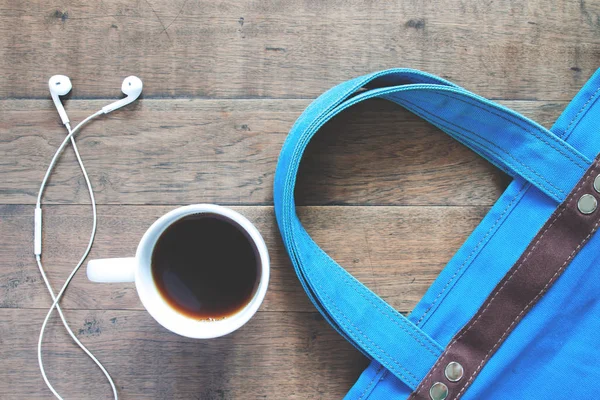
<point>291,355</point>
<point>190,151</point>
<point>387,248</point>
<point>223,83</point>
<point>286,351</point>
<point>540,49</point>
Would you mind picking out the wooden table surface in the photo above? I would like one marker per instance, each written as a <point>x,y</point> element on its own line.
<point>385,194</point>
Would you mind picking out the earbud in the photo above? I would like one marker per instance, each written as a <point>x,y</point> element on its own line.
<point>132,88</point>
<point>60,85</point>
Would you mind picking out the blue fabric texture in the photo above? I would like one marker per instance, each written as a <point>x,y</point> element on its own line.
<point>553,352</point>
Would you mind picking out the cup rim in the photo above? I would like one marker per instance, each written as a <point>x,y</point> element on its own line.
<point>157,306</point>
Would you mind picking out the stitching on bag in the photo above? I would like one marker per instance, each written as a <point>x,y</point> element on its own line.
<point>391,367</point>
<point>370,383</point>
<point>477,243</point>
<point>559,142</point>
<point>488,148</point>
<point>307,135</point>
<point>528,306</point>
<point>414,379</point>
<point>554,219</point>
<point>321,249</point>
<point>524,128</point>
<point>580,111</point>
<point>472,253</point>
<point>341,106</point>
<point>325,115</point>
<point>491,111</point>
<point>474,249</point>
<point>355,285</point>
<point>472,323</point>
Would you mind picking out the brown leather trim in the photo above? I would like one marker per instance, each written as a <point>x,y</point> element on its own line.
<point>540,265</point>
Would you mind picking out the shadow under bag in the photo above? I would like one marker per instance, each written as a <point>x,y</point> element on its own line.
<point>515,314</point>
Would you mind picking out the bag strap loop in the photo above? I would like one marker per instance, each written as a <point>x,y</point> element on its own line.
<point>510,141</point>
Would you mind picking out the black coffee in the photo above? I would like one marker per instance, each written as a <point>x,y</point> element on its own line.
<point>206,266</point>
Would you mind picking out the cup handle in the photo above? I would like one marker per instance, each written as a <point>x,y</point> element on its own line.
<point>112,270</point>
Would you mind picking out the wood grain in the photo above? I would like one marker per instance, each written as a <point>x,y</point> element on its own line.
<point>223,83</point>
<point>387,248</point>
<point>540,49</point>
<point>276,355</point>
<point>225,151</point>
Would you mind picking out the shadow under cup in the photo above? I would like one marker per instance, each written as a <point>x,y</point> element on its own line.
<point>204,272</point>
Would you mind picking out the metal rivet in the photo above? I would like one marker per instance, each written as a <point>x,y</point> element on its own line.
<point>597,184</point>
<point>438,391</point>
<point>454,371</point>
<point>587,204</point>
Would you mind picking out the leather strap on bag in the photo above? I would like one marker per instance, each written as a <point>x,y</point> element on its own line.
<point>542,263</point>
<point>512,142</point>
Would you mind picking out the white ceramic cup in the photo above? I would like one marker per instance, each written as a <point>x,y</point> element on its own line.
<point>138,269</point>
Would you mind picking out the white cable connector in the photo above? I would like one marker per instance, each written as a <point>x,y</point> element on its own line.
<point>37,232</point>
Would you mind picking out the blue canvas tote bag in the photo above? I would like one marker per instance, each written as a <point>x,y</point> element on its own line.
<point>515,314</point>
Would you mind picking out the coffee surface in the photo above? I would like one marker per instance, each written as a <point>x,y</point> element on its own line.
<point>206,266</point>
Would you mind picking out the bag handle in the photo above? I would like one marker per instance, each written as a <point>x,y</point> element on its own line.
<point>510,141</point>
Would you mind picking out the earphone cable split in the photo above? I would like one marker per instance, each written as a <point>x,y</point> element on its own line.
<point>57,298</point>
<point>59,86</point>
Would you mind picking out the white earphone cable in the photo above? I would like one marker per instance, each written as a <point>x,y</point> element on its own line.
<point>56,299</point>
<point>59,152</point>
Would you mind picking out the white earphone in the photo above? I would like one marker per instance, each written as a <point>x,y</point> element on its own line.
<point>132,87</point>
<point>60,85</point>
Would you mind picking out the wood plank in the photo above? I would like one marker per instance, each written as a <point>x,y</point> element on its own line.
<point>295,49</point>
<point>223,83</point>
<point>387,248</point>
<point>274,356</point>
<point>189,151</point>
